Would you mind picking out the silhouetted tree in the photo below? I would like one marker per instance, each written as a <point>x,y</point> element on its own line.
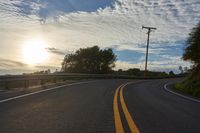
<point>89,60</point>
<point>171,73</point>
<point>192,50</point>
<point>48,71</point>
<point>134,71</point>
<point>120,70</point>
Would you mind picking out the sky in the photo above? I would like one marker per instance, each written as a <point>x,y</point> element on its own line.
<point>58,27</point>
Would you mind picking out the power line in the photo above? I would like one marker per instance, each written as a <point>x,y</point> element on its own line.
<point>147,50</point>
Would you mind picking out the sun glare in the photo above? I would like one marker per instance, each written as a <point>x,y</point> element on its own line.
<point>34,52</point>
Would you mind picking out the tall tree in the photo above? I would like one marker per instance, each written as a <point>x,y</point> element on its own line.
<point>192,50</point>
<point>89,60</point>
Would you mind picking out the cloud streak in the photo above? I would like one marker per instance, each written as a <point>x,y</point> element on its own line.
<point>16,67</point>
<point>56,51</point>
<point>5,63</point>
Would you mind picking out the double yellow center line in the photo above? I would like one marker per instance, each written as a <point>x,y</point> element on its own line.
<point>118,122</point>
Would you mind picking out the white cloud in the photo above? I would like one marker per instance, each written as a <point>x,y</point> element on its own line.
<point>165,65</point>
<point>127,65</point>
<point>117,27</point>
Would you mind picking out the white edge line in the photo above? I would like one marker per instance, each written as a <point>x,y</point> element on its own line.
<point>36,92</point>
<point>178,94</point>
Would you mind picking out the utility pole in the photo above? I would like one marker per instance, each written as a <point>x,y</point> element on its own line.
<point>149,31</point>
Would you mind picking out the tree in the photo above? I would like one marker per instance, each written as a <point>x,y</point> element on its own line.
<point>192,50</point>
<point>134,71</point>
<point>89,60</point>
<point>171,73</point>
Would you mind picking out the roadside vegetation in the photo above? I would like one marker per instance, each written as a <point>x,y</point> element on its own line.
<point>93,60</point>
<point>191,84</point>
<point>140,73</point>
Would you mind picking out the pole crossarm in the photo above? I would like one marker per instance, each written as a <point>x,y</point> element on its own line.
<point>144,27</point>
<point>147,50</point>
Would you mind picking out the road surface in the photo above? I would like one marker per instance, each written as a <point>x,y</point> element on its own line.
<point>109,106</point>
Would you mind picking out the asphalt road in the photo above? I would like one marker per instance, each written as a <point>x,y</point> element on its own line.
<point>96,106</point>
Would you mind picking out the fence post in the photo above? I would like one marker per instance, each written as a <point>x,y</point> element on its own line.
<point>26,83</point>
<point>6,85</point>
<point>42,82</point>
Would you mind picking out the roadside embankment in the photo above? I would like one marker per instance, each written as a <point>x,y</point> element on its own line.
<point>190,86</point>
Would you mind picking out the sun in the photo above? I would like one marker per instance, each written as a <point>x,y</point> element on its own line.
<point>34,51</point>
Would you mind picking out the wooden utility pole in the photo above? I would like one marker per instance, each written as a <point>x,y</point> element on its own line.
<point>149,31</point>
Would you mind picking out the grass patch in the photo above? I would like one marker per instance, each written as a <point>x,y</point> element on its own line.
<point>190,86</point>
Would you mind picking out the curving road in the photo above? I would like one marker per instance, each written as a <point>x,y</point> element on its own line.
<point>97,106</point>
<point>157,111</point>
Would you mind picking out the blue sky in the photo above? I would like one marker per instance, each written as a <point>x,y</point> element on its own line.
<point>66,25</point>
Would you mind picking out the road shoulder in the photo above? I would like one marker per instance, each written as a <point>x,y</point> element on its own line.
<point>170,87</point>
<point>14,94</point>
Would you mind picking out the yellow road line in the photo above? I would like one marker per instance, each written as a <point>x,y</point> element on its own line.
<point>118,123</point>
<point>128,117</point>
